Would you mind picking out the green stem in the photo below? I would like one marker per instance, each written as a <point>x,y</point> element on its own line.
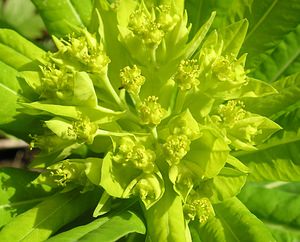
<point>180,99</point>
<point>112,91</point>
<point>101,132</point>
<point>154,132</point>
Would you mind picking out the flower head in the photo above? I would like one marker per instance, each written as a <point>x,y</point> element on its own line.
<point>187,76</point>
<point>136,155</point>
<point>56,82</point>
<point>132,79</point>
<point>83,130</point>
<point>175,148</point>
<point>151,111</point>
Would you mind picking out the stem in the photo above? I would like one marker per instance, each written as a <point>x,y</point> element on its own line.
<point>154,132</point>
<point>153,55</point>
<point>101,132</point>
<point>112,91</point>
<point>179,101</point>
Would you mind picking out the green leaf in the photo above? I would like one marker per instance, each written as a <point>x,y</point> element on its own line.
<point>269,21</point>
<point>207,155</point>
<point>253,88</point>
<point>64,16</point>
<point>277,159</point>
<point>227,184</point>
<point>228,12</point>
<point>106,229</point>
<point>10,93</point>
<point>165,221</point>
<point>194,44</point>
<point>283,233</point>
<point>84,93</point>
<point>233,36</point>
<point>38,223</point>
<point>20,15</point>
<point>98,114</point>
<point>270,203</point>
<point>17,194</point>
<point>233,222</point>
<point>283,60</point>
<point>286,100</point>
<point>109,32</point>
<point>13,89</point>
<point>15,50</point>
<point>112,176</point>
<point>93,169</point>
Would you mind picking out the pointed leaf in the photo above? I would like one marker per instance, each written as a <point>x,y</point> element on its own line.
<point>38,223</point>
<point>194,44</point>
<point>277,159</point>
<point>98,114</point>
<point>106,229</point>
<point>286,100</point>
<point>228,12</point>
<point>233,36</point>
<point>272,204</point>
<point>112,176</point>
<point>227,184</point>
<point>63,16</point>
<point>282,61</point>
<point>207,155</point>
<point>15,50</point>
<point>17,194</point>
<point>234,223</point>
<point>269,20</point>
<point>165,221</point>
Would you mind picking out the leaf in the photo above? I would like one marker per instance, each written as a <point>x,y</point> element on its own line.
<point>109,32</point>
<point>38,223</point>
<point>283,60</point>
<point>165,221</point>
<point>283,233</point>
<point>13,90</point>
<point>16,51</point>
<point>194,44</point>
<point>233,222</point>
<point>277,159</point>
<point>106,229</point>
<point>207,155</point>
<point>98,114</point>
<point>227,184</point>
<point>10,93</point>
<point>272,204</point>
<point>64,16</point>
<point>275,105</point>
<point>20,15</point>
<point>17,194</point>
<point>112,176</point>
<point>269,21</point>
<point>228,12</point>
<point>253,88</point>
<point>233,36</point>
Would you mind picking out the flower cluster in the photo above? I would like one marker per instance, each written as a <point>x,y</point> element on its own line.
<point>162,120</point>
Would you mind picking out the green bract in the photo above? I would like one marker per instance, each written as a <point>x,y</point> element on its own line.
<point>134,107</point>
